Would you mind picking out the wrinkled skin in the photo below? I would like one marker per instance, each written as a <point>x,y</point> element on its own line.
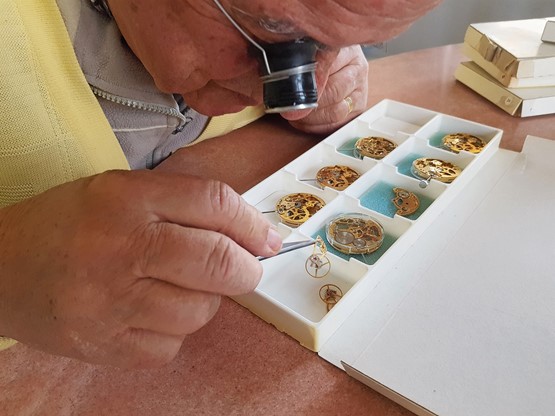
<point>223,76</point>
<point>118,268</point>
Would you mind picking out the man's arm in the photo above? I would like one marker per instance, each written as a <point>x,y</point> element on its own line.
<point>118,268</point>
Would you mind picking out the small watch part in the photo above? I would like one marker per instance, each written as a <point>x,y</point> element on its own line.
<point>374,147</point>
<point>296,209</point>
<point>330,295</point>
<point>318,265</point>
<point>336,177</point>
<point>429,168</point>
<point>463,141</point>
<point>405,201</point>
<point>354,233</point>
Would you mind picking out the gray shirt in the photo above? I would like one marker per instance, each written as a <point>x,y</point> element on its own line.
<point>149,124</point>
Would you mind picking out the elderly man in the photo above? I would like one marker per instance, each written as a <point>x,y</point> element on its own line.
<point>115,266</point>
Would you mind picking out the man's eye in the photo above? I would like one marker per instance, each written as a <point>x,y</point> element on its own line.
<point>321,46</point>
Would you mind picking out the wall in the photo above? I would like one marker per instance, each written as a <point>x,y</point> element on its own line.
<point>448,22</point>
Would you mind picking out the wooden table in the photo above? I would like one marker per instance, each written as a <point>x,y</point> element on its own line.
<point>238,364</point>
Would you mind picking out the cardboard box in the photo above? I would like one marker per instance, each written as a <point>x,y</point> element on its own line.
<point>520,102</point>
<point>549,31</point>
<point>512,52</point>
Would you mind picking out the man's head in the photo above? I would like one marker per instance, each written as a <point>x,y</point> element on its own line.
<point>190,47</point>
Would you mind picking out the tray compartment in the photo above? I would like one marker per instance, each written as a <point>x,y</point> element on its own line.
<point>344,140</point>
<point>416,148</point>
<point>305,167</point>
<point>396,119</point>
<point>443,124</point>
<point>375,191</point>
<point>267,193</point>
<point>287,282</point>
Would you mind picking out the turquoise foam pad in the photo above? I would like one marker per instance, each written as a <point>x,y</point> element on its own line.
<point>348,148</point>
<point>379,198</point>
<point>404,166</point>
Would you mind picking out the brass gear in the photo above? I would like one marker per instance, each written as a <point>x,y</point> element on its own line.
<point>374,146</point>
<point>430,168</point>
<point>296,209</point>
<point>457,142</point>
<point>336,177</point>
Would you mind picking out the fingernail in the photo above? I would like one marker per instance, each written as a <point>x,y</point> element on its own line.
<point>273,240</point>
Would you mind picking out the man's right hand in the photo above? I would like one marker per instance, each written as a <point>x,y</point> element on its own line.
<point>118,268</point>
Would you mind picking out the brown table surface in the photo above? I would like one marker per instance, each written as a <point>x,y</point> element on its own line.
<point>238,364</point>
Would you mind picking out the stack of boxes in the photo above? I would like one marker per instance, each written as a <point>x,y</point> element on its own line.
<point>512,64</point>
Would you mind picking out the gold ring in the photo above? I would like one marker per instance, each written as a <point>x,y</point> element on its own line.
<point>349,102</point>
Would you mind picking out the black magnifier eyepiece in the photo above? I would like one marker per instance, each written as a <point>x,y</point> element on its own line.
<point>288,71</point>
<point>291,84</point>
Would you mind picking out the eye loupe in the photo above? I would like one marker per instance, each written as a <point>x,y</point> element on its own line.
<point>289,81</point>
<point>291,84</point>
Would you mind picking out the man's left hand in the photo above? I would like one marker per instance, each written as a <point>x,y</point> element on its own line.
<point>343,97</point>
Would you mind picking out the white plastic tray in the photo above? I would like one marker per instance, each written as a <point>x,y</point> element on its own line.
<point>287,296</point>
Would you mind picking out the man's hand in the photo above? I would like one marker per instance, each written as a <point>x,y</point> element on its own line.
<point>347,78</point>
<point>120,267</point>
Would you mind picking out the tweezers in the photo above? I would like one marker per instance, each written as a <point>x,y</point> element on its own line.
<point>287,247</point>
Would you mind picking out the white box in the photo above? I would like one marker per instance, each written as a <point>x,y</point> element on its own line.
<point>519,102</point>
<point>512,51</point>
<point>548,34</point>
<point>456,317</point>
<point>467,326</point>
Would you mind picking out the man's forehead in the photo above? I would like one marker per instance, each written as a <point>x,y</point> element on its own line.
<point>292,16</point>
<point>331,22</point>
<point>268,21</point>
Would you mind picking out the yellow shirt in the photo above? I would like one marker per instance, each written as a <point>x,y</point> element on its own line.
<point>52,129</point>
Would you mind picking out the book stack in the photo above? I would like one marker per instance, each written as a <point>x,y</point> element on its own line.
<point>512,64</point>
